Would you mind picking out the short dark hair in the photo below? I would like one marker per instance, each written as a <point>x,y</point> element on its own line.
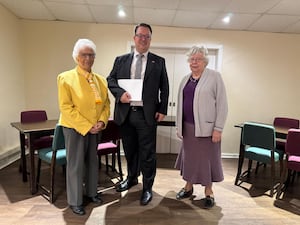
<point>142,25</point>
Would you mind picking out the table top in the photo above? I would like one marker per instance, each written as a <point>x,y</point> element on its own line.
<point>167,121</point>
<point>36,126</point>
<point>281,130</point>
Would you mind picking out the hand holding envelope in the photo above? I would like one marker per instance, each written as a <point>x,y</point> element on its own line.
<point>133,86</point>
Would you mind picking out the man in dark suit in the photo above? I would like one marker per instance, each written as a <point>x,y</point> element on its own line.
<point>138,119</point>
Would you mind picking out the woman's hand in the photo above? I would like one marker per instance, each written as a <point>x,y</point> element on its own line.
<point>97,127</point>
<point>216,136</point>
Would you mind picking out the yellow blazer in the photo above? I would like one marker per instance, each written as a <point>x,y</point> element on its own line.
<point>78,109</point>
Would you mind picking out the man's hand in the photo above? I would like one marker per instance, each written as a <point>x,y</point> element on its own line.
<point>159,117</point>
<point>125,98</point>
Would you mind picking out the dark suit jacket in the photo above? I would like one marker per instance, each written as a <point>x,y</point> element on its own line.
<point>155,87</point>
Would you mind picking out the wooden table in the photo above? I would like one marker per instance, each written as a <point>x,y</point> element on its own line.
<point>281,132</point>
<point>168,121</point>
<point>32,131</point>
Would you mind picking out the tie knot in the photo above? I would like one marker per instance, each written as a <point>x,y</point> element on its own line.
<point>88,76</point>
<point>139,56</point>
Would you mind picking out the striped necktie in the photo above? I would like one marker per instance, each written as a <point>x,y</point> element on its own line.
<point>138,67</point>
<point>89,78</point>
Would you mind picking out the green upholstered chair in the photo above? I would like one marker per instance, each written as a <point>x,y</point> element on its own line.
<point>55,155</point>
<point>259,145</point>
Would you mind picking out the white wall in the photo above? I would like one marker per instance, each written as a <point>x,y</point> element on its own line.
<point>260,70</point>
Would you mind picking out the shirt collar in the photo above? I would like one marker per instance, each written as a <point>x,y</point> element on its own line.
<point>137,53</point>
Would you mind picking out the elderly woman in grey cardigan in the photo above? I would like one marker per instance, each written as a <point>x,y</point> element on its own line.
<point>201,114</point>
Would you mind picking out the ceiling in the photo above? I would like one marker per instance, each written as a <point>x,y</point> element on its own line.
<point>280,16</point>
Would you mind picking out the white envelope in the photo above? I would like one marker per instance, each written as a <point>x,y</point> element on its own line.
<point>133,86</point>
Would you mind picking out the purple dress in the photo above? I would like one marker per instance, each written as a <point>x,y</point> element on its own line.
<point>199,160</point>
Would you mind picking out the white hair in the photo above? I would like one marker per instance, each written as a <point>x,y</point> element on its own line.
<point>80,44</point>
<point>195,50</point>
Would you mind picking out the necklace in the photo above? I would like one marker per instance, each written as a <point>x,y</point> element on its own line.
<point>193,79</point>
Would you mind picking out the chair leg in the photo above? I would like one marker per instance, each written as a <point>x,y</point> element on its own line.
<point>106,161</point>
<point>113,162</point>
<point>53,164</point>
<point>281,166</point>
<point>256,168</point>
<point>288,180</point>
<point>99,161</point>
<point>249,167</point>
<point>282,183</point>
<point>293,176</point>
<point>64,170</point>
<point>272,178</point>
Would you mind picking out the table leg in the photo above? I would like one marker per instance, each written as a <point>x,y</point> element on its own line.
<point>32,182</point>
<point>23,157</point>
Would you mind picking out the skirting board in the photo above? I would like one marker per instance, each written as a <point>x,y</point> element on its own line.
<point>14,154</point>
<point>9,157</point>
<point>230,155</point>
<point>223,156</point>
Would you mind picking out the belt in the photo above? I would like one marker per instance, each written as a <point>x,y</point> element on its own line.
<point>136,108</point>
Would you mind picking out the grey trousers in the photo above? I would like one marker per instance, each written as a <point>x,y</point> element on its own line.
<point>82,166</point>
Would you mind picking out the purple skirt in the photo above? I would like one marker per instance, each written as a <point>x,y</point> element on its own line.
<point>199,160</point>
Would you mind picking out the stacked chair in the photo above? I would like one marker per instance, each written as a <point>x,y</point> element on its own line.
<point>292,165</point>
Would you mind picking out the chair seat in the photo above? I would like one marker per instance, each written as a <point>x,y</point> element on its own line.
<point>107,147</point>
<point>262,155</point>
<point>293,162</point>
<point>45,154</point>
<point>294,158</point>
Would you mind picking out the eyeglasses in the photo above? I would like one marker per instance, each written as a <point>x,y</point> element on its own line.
<point>87,55</point>
<point>195,59</point>
<point>147,37</point>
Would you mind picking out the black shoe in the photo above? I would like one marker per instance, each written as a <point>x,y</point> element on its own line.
<point>79,210</point>
<point>183,193</point>
<point>96,199</point>
<point>146,197</point>
<point>209,202</point>
<point>126,184</point>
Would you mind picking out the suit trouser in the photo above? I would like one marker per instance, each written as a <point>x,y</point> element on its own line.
<point>139,142</point>
<point>82,165</point>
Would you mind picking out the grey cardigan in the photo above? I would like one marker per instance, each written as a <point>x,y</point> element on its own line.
<point>210,104</point>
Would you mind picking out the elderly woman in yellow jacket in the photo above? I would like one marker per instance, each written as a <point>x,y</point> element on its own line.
<point>84,111</point>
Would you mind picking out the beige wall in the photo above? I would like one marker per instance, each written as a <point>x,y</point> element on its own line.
<point>260,70</point>
<point>12,87</point>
